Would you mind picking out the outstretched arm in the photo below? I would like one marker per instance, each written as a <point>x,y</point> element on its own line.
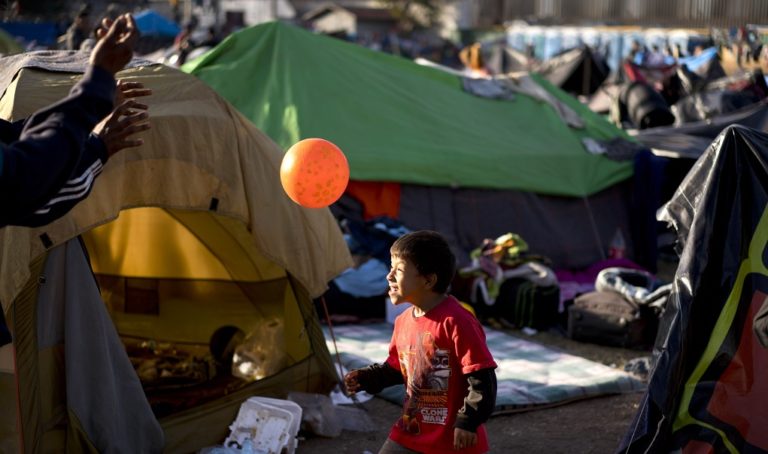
<point>372,379</point>
<point>51,149</point>
<point>50,146</point>
<point>115,133</point>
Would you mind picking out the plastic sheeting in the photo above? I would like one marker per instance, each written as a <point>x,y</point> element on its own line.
<point>707,392</point>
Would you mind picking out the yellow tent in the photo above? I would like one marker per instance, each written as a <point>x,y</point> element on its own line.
<point>186,234</point>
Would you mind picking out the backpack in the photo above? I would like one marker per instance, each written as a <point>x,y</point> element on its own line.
<point>522,303</point>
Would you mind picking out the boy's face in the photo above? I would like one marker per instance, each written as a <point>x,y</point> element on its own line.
<point>405,282</point>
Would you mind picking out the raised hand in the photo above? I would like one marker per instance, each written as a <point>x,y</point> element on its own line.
<point>128,118</point>
<point>128,90</point>
<point>114,49</point>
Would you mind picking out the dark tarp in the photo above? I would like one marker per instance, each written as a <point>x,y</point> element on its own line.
<point>709,387</point>
<point>690,140</point>
<point>577,71</point>
<point>708,99</point>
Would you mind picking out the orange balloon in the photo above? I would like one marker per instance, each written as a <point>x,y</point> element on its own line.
<point>314,173</point>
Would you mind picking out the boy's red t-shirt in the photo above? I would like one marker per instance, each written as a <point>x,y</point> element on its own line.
<point>434,352</point>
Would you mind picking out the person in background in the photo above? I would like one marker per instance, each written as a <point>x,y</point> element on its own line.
<point>183,42</point>
<point>211,38</point>
<point>438,350</point>
<point>80,30</point>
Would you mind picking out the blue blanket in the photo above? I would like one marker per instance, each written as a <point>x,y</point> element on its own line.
<point>529,374</point>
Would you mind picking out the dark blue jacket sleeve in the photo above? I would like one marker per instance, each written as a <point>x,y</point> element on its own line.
<point>52,164</point>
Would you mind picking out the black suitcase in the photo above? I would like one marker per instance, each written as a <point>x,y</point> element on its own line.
<point>610,319</point>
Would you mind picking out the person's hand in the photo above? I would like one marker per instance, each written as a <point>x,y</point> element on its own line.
<point>126,90</point>
<point>114,48</point>
<point>463,438</point>
<point>117,129</point>
<point>351,383</point>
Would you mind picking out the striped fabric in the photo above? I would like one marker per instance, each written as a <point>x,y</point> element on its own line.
<point>74,189</point>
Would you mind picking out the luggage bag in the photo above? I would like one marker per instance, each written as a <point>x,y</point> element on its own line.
<point>610,319</point>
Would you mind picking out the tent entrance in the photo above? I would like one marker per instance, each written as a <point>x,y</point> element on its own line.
<point>168,329</point>
<point>173,282</point>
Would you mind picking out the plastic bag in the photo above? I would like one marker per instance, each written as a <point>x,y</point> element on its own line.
<point>262,353</point>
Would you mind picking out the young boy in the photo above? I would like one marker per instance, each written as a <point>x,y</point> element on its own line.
<point>438,350</point>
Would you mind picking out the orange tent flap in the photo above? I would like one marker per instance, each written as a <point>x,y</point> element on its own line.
<point>378,198</point>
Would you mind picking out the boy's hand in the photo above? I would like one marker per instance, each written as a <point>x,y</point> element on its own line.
<point>351,383</point>
<point>463,438</point>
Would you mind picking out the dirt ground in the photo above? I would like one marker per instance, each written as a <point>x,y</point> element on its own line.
<point>594,425</point>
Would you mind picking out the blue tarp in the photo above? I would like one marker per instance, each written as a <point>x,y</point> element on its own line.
<point>151,23</point>
<point>693,63</point>
<point>44,33</point>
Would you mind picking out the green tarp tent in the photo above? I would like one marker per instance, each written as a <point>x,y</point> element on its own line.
<point>399,122</point>
<point>8,44</point>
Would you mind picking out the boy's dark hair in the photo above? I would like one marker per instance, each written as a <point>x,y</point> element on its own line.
<point>430,253</point>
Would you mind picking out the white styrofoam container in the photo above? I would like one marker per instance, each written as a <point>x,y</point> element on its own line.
<point>295,410</point>
<point>270,424</point>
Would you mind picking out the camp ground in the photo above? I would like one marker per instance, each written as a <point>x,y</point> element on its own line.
<point>114,308</point>
<point>189,235</point>
<point>425,151</point>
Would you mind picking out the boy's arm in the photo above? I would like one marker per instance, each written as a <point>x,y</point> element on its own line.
<point>376,377</point>
<point>480,401</point>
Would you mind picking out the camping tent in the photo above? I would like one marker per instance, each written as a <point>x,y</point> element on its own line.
<point>186,234</point>
<point>708,390</point>
<point>500,58</point>
<point>579,71</point>
<point>434,155</point>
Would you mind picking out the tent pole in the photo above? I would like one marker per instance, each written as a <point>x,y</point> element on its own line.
<point>333,337</point>
<point>342,387</point>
